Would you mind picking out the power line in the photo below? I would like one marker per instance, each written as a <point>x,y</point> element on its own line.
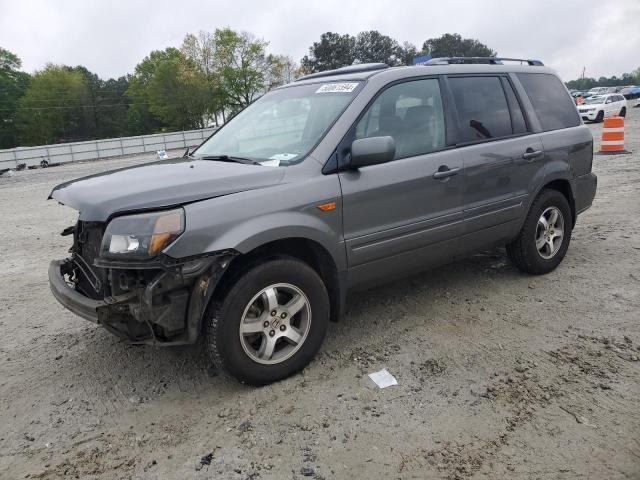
<point>71,99</point>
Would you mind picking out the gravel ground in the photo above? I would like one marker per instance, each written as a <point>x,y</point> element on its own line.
<point>501,375</point>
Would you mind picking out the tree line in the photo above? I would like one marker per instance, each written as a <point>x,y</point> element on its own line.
<point>585,83</point>
<point>210,77</point>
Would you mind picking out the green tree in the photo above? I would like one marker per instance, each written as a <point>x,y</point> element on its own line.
<point>201,50</point>
<point>13,84</point>
<point>178,95</point>
<point>112,108</point>
<point>332,51</point>
<point>408,52</point>
<point>106,112</point>
<point>282,70</point>
<point>167,93</point>
<point>242,66</point>
<point>453,45</point>
<point>235,68</point>
<point>374,47</point>
<point>52,109</point>
<point>140,120</point>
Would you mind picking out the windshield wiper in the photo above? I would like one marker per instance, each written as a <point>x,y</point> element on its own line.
<point>227,158</point>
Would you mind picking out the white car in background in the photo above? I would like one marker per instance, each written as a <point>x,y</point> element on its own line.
<point>602,90</point>
<point>598,107</point>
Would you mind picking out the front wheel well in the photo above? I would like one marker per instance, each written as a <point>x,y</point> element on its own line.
<point>309,251</point>
<point>564,187</point>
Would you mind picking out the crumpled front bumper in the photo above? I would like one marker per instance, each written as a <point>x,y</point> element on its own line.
<point>166,311</point>
<point>72,300</point>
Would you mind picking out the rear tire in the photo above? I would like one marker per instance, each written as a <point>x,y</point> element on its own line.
<point>623,112</point>
<point>251,333</point>
<point>543,240</point>
<point>599,117</point>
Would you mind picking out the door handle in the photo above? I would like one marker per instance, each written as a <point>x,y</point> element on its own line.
<point>530,154</point>
<point>444,172</point>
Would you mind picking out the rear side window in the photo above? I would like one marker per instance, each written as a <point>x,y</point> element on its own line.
<point>551,102</point>
<point>483,111</point>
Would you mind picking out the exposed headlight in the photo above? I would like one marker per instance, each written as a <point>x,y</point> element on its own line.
<point>141,236</point>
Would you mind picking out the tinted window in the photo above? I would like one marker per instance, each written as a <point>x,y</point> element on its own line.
<point>482,108</point>
<point>411,113</point>
<point>518,125</point>
<point>550,100</point>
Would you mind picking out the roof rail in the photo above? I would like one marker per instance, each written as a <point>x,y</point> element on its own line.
<point>485,60</point>
<point>363,67</point>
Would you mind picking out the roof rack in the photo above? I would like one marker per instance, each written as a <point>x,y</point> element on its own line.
<point>483,60</point>
<point>363,67</point>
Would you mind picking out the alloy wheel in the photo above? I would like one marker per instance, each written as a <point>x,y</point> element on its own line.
<point>275,323</point>
<point>549,232</point>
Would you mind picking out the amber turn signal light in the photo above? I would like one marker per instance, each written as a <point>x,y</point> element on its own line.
<point>326,207</point>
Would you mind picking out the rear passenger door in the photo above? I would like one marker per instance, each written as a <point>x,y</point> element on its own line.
<point>501,157</point>
<point>619,103</point>
<point>609,106</point>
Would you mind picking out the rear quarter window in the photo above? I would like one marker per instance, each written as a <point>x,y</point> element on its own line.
<point>551,102</point>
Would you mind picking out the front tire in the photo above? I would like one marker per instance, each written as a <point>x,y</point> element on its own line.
<point>599,117</point>
<point>544,239</point>
<point>623,112</point>
<point>270,323</point>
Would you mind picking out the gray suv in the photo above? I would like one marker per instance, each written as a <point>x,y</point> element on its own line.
<point>338,181</point>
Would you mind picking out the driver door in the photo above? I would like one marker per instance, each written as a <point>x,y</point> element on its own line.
<point>404,215</point>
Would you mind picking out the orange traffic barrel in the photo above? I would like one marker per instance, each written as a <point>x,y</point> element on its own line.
<point>613,136</point>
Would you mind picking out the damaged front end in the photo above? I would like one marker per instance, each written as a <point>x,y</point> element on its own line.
<point>158,300</point>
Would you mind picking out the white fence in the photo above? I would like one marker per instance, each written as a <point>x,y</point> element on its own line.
<point>95,149</point>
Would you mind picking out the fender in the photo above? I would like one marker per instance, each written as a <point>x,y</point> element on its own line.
<point>247,220</point>
<point>553,171</point>
<point>258,231</point>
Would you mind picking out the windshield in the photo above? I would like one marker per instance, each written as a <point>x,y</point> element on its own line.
<point>594,100</point>
<point>283,126</point>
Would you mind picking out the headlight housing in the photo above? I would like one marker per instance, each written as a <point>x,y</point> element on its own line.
<point>141,236</point>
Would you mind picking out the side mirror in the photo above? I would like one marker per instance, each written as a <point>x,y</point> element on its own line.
<point>372,151</point>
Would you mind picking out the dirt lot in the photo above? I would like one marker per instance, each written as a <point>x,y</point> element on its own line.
<point>501,375</point>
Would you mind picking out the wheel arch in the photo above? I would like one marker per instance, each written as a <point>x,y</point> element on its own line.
<point>305,249</point>
<point>563,186</point>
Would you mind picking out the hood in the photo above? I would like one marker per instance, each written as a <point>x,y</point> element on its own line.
<point>160,184</point>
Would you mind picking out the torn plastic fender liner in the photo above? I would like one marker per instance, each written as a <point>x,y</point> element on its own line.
<point>202,291</point>
<point>199,296</point>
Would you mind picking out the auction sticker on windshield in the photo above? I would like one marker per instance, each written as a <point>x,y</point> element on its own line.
<point>337,88</point>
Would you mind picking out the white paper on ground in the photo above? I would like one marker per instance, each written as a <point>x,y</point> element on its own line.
<point>383,378</point>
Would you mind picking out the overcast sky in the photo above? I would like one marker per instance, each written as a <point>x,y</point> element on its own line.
<point>111,37</point>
